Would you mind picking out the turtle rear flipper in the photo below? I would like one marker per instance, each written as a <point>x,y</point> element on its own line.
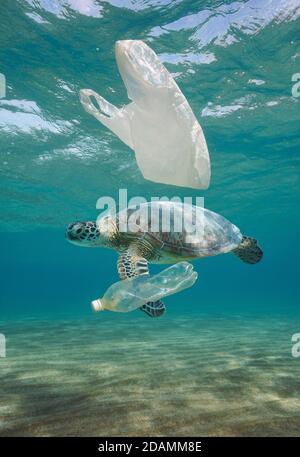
<point>131,265</point>
<point>248,250</point>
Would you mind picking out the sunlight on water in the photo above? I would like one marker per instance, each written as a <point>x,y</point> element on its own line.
<point>233,61</point>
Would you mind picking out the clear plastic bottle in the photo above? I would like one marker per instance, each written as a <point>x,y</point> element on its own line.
<point>127,295</point>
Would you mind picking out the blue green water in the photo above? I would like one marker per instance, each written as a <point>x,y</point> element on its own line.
<point>219,362</point>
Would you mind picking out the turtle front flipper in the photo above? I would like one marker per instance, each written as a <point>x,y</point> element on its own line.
<point>154,308</point>
<point>131,265</point>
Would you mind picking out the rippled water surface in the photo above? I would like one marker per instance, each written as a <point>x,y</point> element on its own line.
<point>219,362</point>
<point>233,61</point>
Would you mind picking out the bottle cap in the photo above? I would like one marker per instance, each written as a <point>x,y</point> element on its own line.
<point>97,305</point>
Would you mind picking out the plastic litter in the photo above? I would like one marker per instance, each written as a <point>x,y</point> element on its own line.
<point>159,124</point>
<point>127,295</point>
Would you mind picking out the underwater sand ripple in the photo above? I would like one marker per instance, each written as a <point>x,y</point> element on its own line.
<point>129,376</point>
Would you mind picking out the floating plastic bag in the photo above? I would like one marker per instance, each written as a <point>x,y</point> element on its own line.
<point>132,293</point>
<point>159,124</point>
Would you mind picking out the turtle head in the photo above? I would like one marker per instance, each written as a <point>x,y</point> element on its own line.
<point>92,234</point>
<point>83,234</point>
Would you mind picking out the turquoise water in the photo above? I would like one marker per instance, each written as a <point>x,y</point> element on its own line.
<point>219,362</point>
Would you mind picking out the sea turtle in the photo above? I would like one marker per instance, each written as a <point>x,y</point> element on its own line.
<point>163,232</point>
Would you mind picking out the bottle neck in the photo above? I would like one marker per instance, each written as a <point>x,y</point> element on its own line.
<point>97,305</point>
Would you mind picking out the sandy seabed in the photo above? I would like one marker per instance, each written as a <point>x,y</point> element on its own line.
<point>175,376</point>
